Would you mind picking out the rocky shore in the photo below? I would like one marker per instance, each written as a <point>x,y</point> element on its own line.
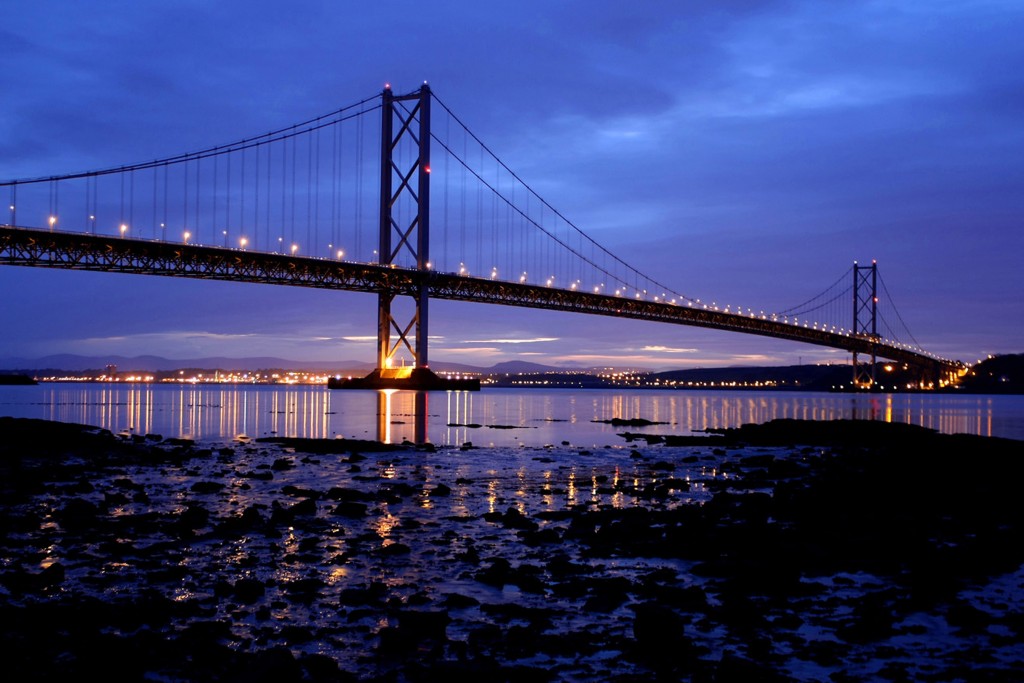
<point>790,551</point>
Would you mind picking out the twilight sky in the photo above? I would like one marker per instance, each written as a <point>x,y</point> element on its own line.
<point>746,151</point>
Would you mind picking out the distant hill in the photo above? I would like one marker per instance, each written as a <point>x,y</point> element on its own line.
<point>1003,374</point>
<point>515,367</point>
<point>811,377</point>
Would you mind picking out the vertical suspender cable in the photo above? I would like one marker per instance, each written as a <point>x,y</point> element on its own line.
<point>184,202</point>
<point>163,225</point>
<point>155,186</point>
<point>309,195</point>
<point>241,198</point>
<point>227,198</point>
<point>256,202</point>
<point>215,174</point>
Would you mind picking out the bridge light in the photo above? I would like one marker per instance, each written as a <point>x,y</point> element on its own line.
<point>187,235</point>
<point>53,219</point>
<point>242,242</point>
<point>341,253</point>
<point>124,229</point>
<point>295,248</point>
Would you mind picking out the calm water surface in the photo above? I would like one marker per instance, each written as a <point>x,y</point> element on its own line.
<point>491,417</point>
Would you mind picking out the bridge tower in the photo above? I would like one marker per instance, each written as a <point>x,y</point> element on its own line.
<point>412,193</point>
<point>404,233</point>
<point>865,313</point>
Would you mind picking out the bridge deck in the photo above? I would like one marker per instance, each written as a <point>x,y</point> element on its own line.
<point>79,251</point>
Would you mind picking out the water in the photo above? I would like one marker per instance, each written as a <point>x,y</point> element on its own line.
<point>489,418</point>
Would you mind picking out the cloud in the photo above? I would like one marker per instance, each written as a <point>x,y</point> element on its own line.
<point>535,340</point>
<point>667,349</point>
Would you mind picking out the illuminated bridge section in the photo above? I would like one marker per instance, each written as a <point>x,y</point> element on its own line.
<point>104,253</point>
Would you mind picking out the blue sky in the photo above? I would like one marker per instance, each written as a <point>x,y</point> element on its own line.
<point>745,152</point>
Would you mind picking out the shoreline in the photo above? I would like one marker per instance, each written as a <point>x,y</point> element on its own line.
<point>782,551</point>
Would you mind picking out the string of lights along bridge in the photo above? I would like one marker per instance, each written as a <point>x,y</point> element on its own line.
<point>395,195</point>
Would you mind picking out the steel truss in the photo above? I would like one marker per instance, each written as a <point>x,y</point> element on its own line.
<point>76,251</point>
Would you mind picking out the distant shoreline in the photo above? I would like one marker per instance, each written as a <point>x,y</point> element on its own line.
<point>6,380</point>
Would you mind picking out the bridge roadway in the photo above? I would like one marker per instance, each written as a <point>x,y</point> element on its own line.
<point>105,253</point>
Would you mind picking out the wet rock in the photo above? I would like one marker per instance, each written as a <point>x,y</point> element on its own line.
<point>303,590</point>
<point>732,667</point>
<point>78,514</point>
<point>660,638</point>
<point>415,630</point>
<point>193,517</point>
<point>459,601</point>
<point>393,550</point>
<point>350,509</point>
<point>512,519</point>
<point>206,487</point>
<point>497,574</point>
<point>363,595</point>
<point>248,591</point>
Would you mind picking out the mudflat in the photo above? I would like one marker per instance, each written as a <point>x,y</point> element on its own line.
<point>807,551</point>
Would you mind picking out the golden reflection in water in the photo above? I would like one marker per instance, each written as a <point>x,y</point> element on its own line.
<point>384,524</point>
<point>461,488</point>
<point>618,498</point>
<point>384,415</point>
<point>521,490</point>
<point>570,493</point>
<point>224,411</point>
<point>458,413</point>
<point>492,494</point>
<point>545,488</point>
<point>51,556</point>
<point>394,410</point>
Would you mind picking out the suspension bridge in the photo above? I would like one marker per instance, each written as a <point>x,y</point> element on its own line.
<point>395,196</point>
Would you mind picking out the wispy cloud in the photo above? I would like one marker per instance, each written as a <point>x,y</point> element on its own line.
<point>535,340</point>
<point>667,349</point>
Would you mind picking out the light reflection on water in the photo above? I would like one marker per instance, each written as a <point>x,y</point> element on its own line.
<point>491,417</point>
